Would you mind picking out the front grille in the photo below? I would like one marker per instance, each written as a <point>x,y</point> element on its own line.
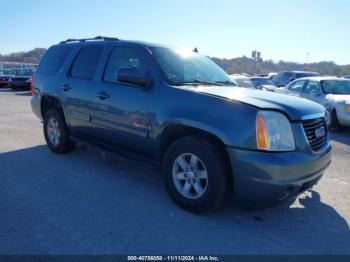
<point>19,80</point>
<point>314,132</point>
<point>4,78</point>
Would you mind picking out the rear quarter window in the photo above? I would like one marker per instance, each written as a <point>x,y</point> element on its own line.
<point>53,60</point>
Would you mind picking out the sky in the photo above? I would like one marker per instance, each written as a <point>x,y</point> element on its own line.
<point>279,29</point>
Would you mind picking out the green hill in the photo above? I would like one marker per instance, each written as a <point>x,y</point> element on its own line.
<point>247,65</point>
<point>231,66</point>
<point>32,56</point>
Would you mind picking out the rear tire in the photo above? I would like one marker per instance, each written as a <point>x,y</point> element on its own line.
<point>195,174</point>
<point>56,132</point>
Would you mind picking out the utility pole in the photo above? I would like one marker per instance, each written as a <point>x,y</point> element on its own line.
<point>256,55</point>
<point>307,57</point>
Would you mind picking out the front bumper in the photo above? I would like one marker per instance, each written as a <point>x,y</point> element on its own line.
<point>264,179</point>
<point>343,118</point>
<point>25,85</point>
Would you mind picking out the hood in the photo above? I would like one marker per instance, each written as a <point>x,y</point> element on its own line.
<point>296,108</point>
<point>339,98</point>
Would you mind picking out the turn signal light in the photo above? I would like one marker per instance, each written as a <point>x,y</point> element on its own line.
<point>261,133</point>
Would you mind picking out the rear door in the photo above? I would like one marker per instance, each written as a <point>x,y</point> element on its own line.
<point>78,87</point>
<point>124,113</point>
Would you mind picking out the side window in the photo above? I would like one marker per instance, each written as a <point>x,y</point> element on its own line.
<point>53,60</point>
<point>312,88</point>
<point>288,77</point>
<point>86,62</point>
<point>121,57</point>
<point>297,86</point>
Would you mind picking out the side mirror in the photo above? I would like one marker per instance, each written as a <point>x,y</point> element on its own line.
<point>135,76</point>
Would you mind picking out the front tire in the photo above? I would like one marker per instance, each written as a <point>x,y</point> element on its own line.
<point>195,175</point>
<point>56,133</point>
<point>332,120</point>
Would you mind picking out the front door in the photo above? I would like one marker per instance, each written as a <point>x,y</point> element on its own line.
<point>123,113</point>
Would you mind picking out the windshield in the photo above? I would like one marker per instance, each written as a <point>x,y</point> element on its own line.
<point>24,72</point>
<point>8,72</point>
<point>262,81</point>
<point>244,82</point>
<point>188,67</point>
<point>336,87</point>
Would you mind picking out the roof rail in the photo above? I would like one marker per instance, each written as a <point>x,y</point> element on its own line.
<point>102,38</point>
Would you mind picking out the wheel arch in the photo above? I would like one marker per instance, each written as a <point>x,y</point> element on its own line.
<point>175,131</point>
<point>48,102</point>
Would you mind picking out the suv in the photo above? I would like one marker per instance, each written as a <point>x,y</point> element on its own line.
<point>180,110</point>
<point>282,79</point>
<point>21,79</point>
<point>5,76</point>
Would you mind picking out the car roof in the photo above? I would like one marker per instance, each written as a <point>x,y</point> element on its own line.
<point>259,77</point>
<point>322,78</point>
<point>108,40</point>
<point>300,72</point>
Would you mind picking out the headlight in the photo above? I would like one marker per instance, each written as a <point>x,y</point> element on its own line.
<point>274,132</point>
<point>346,108</point>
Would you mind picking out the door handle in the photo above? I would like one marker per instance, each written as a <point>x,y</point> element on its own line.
<point>102,95</point>
<point>66,88</point>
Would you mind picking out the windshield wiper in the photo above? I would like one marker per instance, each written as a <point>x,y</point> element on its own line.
<point>200,82</point>
<point>226,83</point>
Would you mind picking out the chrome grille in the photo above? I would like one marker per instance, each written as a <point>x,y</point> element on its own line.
<point>19,79</point>
<point>314,132</point>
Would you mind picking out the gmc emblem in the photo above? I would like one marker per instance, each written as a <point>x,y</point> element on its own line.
<point>320,132</point>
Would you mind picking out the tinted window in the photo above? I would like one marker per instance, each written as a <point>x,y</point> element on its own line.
<point>86,62</point>
<point>25,72</point>
<point>312,88</point>
<point>338,87</point>
<point>297,86</point>
<point>121,57</point>
<point>53,60</point>
<point>287,78</point>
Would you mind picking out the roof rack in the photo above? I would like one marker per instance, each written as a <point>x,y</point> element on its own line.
<point>102,38</point>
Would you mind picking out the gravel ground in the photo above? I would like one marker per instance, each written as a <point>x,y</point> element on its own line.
<point>88,202</point>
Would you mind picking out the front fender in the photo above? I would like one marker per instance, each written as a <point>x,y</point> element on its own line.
<point>231,121</point>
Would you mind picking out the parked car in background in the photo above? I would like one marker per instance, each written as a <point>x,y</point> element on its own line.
<point>5,77</point>
<point>21,79</point>
<point>178,109</point>
<point>284,78</point>
<point>263,83</point>
<point>242,81</point>
<point>272,76</point>
<point>333,93</point>
<point>347,76</point>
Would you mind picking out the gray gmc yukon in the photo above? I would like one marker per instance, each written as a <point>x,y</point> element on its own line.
<point>180,110</point>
